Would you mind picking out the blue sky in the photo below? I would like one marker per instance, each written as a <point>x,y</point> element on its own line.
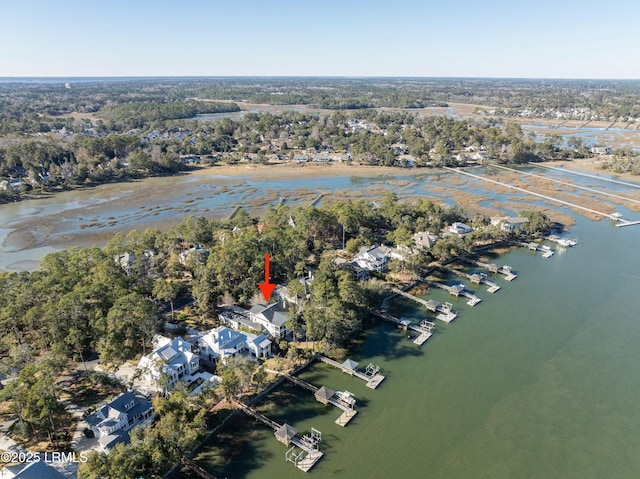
<point>490,38</point>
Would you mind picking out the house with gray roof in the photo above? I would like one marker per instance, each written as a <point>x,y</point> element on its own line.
<point>272,318</point>
<point>31,470</point>
<point>111,422</point>
<point>222,343</point>
<point>373,258</point>
<point>170,361</point>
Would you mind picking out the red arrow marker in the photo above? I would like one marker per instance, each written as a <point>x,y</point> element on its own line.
<point>266,287</point>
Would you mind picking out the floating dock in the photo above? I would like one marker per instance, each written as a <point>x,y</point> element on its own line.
<point>424,330</point>
<point>371,375</point>
<point>457,290</point>
<point>547,252</point>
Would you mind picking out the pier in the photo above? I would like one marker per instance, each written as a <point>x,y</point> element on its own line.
<point>494,268</point>
<point>371,374</point>
<point>547,252</point>
<point>287,434</point>
<point>316,200</point>
<point>234,212</point>
<point>424,330</point>
<point>341,400</point>
<point>457,290</point>
<point>445,311</point>
<point>476,278</point>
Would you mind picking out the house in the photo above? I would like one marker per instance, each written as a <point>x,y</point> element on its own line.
<point>372,258</point>
<point>197,255</point>
<point>508,223</point>
<point>286,293</point>
<point>111,422</point>
<point>300,158</point>
<point>171,361</point>
<point>222,343</point>
<point>460,229</point>
<point>424,239</point>
<point>272,318</point>
<point>236,318</point>
<point>31,470</point>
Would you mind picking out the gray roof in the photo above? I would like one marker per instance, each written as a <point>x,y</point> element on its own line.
<point>286,432</point>
<point>35,470</point>
<point>274,313</point>
<point>350,364</point>
<point>141,404</point>
<point>324,393</point>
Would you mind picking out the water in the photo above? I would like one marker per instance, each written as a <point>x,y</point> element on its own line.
<point>540,380</point>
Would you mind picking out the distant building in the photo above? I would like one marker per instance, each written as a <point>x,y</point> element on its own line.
<point>31,470</point>
<point>424,239</point>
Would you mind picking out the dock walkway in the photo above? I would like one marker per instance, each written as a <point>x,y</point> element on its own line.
<point>457,290</point>
<point>373,379</point>
<point>494,268</point>
<point>348,413</point>
<point>424,330</point>
<point>476,278</point>
<point>312,455</point>
<point>446,314</point>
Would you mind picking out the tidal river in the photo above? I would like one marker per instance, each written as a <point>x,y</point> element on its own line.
<point>540,380</point>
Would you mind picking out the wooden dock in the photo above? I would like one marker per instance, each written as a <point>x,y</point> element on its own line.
<point>323,395</point>
<point>316,200</point>
<point>494,268</point>
<point>476,278</point>
<point>446,314</point>
<point>371,374</point>
<point>457,290</point>
<point>424,330</point>
<point>312,454</point>
<point>547,252</point>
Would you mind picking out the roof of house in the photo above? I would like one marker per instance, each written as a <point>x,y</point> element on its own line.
<point>109,412</point>
<point>33,470</point>
<point>274,313</point>
<point>374,252</point>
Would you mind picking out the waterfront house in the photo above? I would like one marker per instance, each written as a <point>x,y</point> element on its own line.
<point>171,361</point>
<point>460,229</point>
<point>508,223</point>
<point>272,318</point>
<point>373,258</point>
<point>222,343</point>
<point>424,240</point>
<point>238,318</point>
<point>111,422</point>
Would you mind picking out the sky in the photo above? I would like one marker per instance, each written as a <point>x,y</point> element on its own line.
<point>352,38</point>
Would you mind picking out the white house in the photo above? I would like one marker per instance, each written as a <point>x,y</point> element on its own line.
<point>170,361</point>
<point>508,223</point>
<point>372,258</point>
<point>272,318</point>
<point>460,229</point>
<point>222,343</point>
<point>111,422</point>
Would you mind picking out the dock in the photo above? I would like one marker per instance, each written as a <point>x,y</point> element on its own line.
<point>371,374</point>
<point>565,242</point>
<point>547,252</point>
<point>457,290</point>
<point>494,268</point>
<point>316,200</point>
<point>342,400</point>
<point>234,212</point>
<point>424,330</point>
<point>445,310</point>
<point>287,435</point>
<point>476,278</point>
